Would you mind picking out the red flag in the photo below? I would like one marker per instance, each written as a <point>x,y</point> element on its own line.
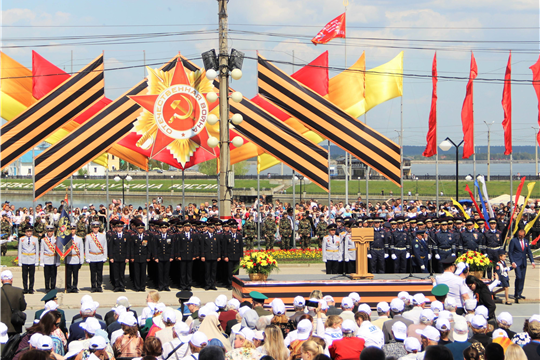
<point>518,193</point>
<point>467,116</point>
<point>536,83</point>
<point>467,189</point>
<point>315,74</point>
<point>334,29</point>
<point>507,107</point>
<point>431,138</point>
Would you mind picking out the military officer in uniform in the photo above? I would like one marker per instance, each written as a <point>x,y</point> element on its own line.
<point>51,296</point>
<point>400,248</point>
<point>249,232</point>
<point>48,259</point>
<point>286,229</point>
<point>349,249</point>
<point>269,231</point>
<point>210,254</point>
<point>379,247</point>
<point>233,250</point>
<point>118,250</point>
<point>28,258</point>
<point>5,228</point>
<point>444,245</point>
<point>82,229</point>
<point>321,231</point>
<point>95,249</point>
<point>163,255</point>
<point>331,250</point>
<point>493,242</point>
<point>187,250</point>
<point>470,237</point>
<point>420,252</point>
<point>304,229</point>
<point>141,252</point>
<point>74,260</point>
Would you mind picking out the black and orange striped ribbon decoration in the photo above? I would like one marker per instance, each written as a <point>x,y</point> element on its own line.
<point>94,137</point>
<point>329,121</point>
<point>53,111</point>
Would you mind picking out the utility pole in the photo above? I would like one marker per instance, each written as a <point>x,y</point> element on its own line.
<point>489,149</point>
<point>224,155</point>
<point>535,150</point>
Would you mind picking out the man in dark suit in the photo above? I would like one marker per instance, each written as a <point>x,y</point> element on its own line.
<point>16,299</point>
<point>518,251</point>
<point>233,250</point>
<point>119,254</point>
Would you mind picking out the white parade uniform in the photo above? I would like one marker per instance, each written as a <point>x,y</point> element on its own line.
<point>48,254</point>
<point>92,252</point>
<point>349,247</point>
<point>331,248</point>
<point>28,250</point>
<point>76,256</point>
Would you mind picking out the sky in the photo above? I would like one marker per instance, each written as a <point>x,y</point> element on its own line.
<point>132,33</point>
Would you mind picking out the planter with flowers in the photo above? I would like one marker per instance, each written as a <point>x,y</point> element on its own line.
<point>258,265</point>
<point>476,261</point>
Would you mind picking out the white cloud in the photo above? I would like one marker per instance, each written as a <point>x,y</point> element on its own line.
<point>27,16</point>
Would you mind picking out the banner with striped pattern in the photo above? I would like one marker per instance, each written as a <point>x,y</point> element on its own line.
<point>93,137</point>
<point>54,110</point>
<point>329,121</point>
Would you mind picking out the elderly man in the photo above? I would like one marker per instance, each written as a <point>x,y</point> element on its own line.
<point>419,302</point>
<point>396,307</point>
<point>347,307</point>
<point>78,327</point>
<point>430,336</point>
<point>12,298</point>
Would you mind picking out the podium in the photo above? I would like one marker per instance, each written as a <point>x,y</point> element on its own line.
<point>362,237</point>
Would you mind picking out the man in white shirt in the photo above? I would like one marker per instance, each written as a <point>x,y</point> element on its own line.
<point>419,302</point>
<point>458,291</point>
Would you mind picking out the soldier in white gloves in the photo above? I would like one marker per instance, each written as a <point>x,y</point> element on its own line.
<point>48,258</point>
<point>331,250</point>
<point>74,260</point>
<point>349,249</point>
<point>96,254</point>
<point>28,258</point>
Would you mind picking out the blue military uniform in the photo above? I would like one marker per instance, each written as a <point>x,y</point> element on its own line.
<point>492,242</point>
<point>471,238</point>
<point>379,248</point>
<point>401,247</point>
<point>420,252</point>
<point>445,246</point>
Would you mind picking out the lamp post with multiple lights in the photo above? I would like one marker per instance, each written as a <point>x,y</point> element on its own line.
<point>445,145</point>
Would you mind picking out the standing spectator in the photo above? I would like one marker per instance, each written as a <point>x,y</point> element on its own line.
<point>483,293</point>
<point>12,299</point>
<point>518,251</point>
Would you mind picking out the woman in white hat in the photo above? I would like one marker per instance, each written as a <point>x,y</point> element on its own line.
<point>244,349</point>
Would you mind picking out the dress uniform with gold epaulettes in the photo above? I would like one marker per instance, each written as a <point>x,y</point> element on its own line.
<point>420,252</point>
<point>49,259</point>
<point>142,246</point>
<point>401,240</point>
<point>96,252</point>
<point>331,250</point>
<point>73,261</point>
<point>118,250</point>
<point>349,251</point>
<point>28,259</point>
<point>163,255</point>
<point>210,255</point>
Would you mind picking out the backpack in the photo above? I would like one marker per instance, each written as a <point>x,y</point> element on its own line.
<point>10,348</point>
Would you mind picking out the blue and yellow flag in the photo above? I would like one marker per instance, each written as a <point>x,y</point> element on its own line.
<point>64,241</point>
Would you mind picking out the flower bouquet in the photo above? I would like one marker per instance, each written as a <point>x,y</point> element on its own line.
<point>258,265</point>
<point>476,261</point>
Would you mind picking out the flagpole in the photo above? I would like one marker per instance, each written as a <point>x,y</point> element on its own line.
<point>259,209</point>
<point>147,198</point>
<point>107,188</point>
<point>33,186</point>
<point>71,197</point>
<point>401,147</point>
<point>183,195</point>
<point>294,209</point>
<point>345,3</point>
<point>511,194</point>
<point>329,181</point>
<point>367,175</point>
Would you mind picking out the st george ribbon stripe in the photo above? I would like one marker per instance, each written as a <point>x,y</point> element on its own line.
<point>91,139</point>
<point>56,109</point>
<point>323,117</point>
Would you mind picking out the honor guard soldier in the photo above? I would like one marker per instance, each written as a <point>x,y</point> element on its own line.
<point>493,241</point>
<point>401,248</point>
<point>96,254</point>
<point>141,252</point>
<point>349,249</point>
<point>28,258</point>
<point>74,260</point>
<point>49,260</point>
<point>222,265</point>
<point>331,250</point>
<point>118,250</point>
<point>82,229</point>
<point>379,247</point>
<point>420,252</point>
<point>286,229</point>
<point>187,250</point>
<point>233,251</point>
<point>39,228</point>
<point>445,245</point>
<point>163,255</point>
<point>210,255</point>
<point>269,231</point>
<point>249,232</point>
<point>320,230</point>
<point>470,237</point>
<point>304,229</point>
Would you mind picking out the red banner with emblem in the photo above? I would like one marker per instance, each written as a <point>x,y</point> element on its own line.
<point>334,29</point>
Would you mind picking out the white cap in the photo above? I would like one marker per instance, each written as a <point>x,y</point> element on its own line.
<point>3,333</point>
<point>193,301</point>
<point>328,298</point>
<point>203,312</point>
<point>304,329</point>
<point>383,306</point>
<point>535,317</point>
<point>221,301</point>
<point>412,344</point>
<point>482,310</point>
<point>460,267</point>
<point>461,331</point>
<point>397,305</point>
<point>399,329</point>
<point>234,303</point>
<point>97,343</point>
<point>259,335</point>
<point>470,304</point>
<point>124,301</point>
<point>478,322</point>
<point>91,325</point>
<point>347,303</point>
<point>348,326</point>
<point>6,275</point>
<point>241,311</point>
<point>505,318</point>
<point>34,339</point>
<point>437,306</point>
<point>182,331</point>
<point>198,339</point>
<point>324,305</point>
<point>169,315</point>
<point>450,303</point>
<point>74,348</point>
<point>364,308</point>
<point>160,307</point>
<point>420,299</point>
<point>442,324</point>
<point>211,307</point>
<point>45,343</point>
<point>89,305</point>
<point>51,305</point>
<point>299,301</point>
<point>429,332</point>
<point>127,319</point>
<point>247,333</point>
<point>119,310</point>
<point>445,314</point>
<point>278,307</point>
<point>499,333</point>
<point>403,295</point>
<point>86,298</point>
<point>427,314</point>
<point>355,296</point>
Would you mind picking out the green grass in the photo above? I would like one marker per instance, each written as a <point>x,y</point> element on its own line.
<point>8,260</point>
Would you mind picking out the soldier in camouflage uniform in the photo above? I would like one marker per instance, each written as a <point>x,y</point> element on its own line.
<point>304,229</point>
<point>286,230</point>
<point>250,232</point>
<point>101,227</point>
<point>320,230</point>
<point>81,227</point>
<point>39,228</point>
<point>5,228</point>
<point>24,224</point>
<point>269,231</point>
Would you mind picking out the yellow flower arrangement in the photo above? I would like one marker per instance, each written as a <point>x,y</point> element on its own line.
<point>258,262</point>
<point>476,260</point>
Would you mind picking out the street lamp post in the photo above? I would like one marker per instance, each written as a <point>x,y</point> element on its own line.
<point>359,186</point>
<point>300,177</point>
<point>85,176</point>
<point>416,178</point>
<point>445,145</point>
<point>123,178</point>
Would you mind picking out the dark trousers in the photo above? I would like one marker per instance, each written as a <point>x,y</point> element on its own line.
<point>96,275</point>
<point>400,264</point>
<point>521,271</point>
<point>210,268</point>
<point>50,277</point>
<point>164,268</point>
<point>72,273</point>
<point>118,273</point>
<point>231,265</point>
<point>111,275</point>
<point>332,267</point>
<point>350,267</point>
<point>28,271</point>
<point>493,256</point>
<point>377,262</point>
<point>139,275</point>
<point>186,271</point>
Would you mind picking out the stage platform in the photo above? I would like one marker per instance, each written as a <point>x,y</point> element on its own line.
<point>383,287</point>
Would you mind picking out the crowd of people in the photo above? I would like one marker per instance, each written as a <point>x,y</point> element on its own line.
<point>409,327</point>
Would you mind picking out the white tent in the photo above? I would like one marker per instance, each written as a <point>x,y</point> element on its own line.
<point>505,198</point>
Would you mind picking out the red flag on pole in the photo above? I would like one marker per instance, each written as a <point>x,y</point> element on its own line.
<point>536,84</point>
<point>468,189</point>
<point>431,138</point>
<point>518,193</point>
<point>467,116</point>
<point>507,107</point>
<point>334,29</point>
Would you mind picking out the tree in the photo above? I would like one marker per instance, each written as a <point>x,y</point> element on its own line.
<point>241,168</point>
<point>82,171</point>
<point>208,167</point>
